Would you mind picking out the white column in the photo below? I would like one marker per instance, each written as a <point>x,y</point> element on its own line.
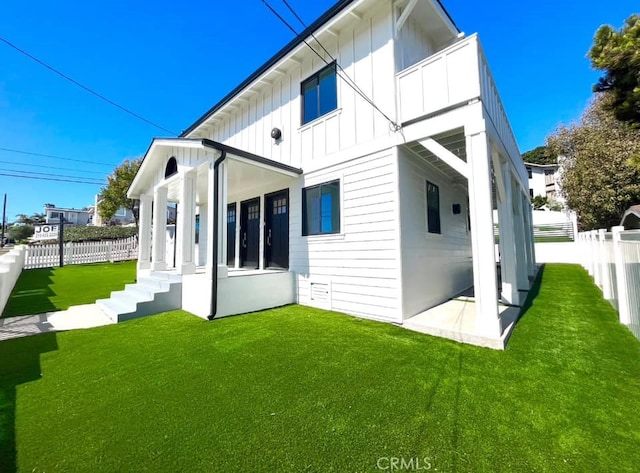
<point>144,232</point>
<point>222,218</point>
<point>203,239</point>
<point>482,240</point>
<point>621,277</point>
<point>508,261</point>
<point>186,224</point>
<point>531,242</point>
<point>159,262</point>
<point>521,252</point>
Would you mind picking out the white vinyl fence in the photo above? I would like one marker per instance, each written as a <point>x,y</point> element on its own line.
<point>613,260</point>
<point>47,256</point>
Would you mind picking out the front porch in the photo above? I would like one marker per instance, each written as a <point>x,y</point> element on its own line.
<point>239,248</point>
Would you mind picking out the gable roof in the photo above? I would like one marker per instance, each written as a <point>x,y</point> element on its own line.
<point>293,44</point>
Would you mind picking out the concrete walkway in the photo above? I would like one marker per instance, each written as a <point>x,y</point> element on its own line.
<point>76,317</point>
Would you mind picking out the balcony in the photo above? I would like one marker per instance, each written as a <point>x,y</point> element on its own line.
<point>449,79</point>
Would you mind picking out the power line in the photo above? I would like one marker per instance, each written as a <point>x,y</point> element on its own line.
<point>53,157</point>
<point>50,179</point>
<point>84,87</point>
<point>99,182</point>
<point>341,73</point>
<point>39,166</point>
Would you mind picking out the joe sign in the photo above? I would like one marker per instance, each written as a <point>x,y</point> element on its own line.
<point>45,232</point>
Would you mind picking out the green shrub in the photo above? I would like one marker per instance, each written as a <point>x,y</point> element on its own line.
<point>98,233</point>
<point>20,232</point>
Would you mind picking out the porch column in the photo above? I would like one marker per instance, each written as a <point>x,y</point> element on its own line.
<point>219,265</point>
<point>222,216</point>
<point>186,224</point>
<point>203,239</point>
<point>528,235</point>
<point>482,240</point>
<point>508,261</point>
<point>159,229</point>
<point>144,232</point>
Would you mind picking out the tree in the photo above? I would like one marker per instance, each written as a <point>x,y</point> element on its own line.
<point>114,194</point>
<point>30,220</point>
<point>617,53</point>
<point>20,232</point>
<point>538,202</point>
<point>598,179</point>
<point>539,155</point>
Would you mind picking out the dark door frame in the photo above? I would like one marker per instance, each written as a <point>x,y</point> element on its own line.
<point>266,225</point>
<point>236,222</point>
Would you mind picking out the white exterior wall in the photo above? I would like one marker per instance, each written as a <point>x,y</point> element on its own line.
<point>360,266</point>
<point>434,267</point>
<point>365,53</point>
<point>537,182</point>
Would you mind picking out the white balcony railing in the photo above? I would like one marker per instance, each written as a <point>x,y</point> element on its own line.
<point>453,77</point>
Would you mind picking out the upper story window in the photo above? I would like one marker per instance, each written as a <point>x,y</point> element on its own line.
<point>433,208</point>
<point>319,94</point>
<point>321,209</point>
<point>529,173</point>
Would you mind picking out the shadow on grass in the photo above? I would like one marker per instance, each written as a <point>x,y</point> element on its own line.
<point>19,364</point>
<point>32,294</point>
<point>533,293</point>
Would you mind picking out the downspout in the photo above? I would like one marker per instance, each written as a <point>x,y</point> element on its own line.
<point>214,248</point>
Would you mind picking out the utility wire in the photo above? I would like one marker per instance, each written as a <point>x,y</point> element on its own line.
<point>39,166</point>
<point>50,179</point>
<point>53,157</point>
<point>97,181</point>
<point>341,73</point>
<point>84,87</point>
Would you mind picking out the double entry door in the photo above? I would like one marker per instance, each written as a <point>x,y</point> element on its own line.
<point>275,237</point>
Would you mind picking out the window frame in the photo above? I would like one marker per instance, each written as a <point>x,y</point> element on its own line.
<point>316,77</point>
<point>439,212</point>
<point>338,208</point>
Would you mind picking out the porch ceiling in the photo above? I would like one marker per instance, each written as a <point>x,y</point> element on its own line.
<point>454,141</point>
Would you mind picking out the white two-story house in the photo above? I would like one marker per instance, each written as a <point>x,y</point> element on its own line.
<point>359,179</point>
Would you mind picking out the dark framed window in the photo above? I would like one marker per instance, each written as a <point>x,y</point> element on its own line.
<point>529,173</point>
<point>321,209</point>
<point>171,168</point>
<point>319,94</point>
<point>433,208</point>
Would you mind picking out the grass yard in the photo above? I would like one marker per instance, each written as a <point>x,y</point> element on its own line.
<point>51,289</point>
<point>300,389</point>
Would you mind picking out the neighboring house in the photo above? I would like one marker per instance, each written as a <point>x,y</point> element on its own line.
<point>307,193</point>
<point>81,217</point>
<point>631,218</point>
<point>544,181</point>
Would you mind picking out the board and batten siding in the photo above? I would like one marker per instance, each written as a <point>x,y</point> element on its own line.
<point>412,45</point>
<point>356,271</point>
<point>435,267</point>
<point>366,54</point>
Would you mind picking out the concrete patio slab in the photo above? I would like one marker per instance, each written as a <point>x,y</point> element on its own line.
<point>456,320</point>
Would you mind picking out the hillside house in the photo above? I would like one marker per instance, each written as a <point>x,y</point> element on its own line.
<point>305,192</point>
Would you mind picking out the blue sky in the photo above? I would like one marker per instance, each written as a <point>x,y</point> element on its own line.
<point>171,61</point>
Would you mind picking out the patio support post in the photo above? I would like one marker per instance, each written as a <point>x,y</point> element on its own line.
<point>186,223</point>
<point>528,233</point>
<point>144,232</point>
<point>508,260</point>
<point>204,234</point>
<point>159,262</point>
<point>482,239</point>
<point>522,271</point>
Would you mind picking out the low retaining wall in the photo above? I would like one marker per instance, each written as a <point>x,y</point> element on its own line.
<point>11,265</point>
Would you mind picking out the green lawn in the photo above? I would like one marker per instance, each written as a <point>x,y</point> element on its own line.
<point>299,389</point>
<point>50,289</point>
